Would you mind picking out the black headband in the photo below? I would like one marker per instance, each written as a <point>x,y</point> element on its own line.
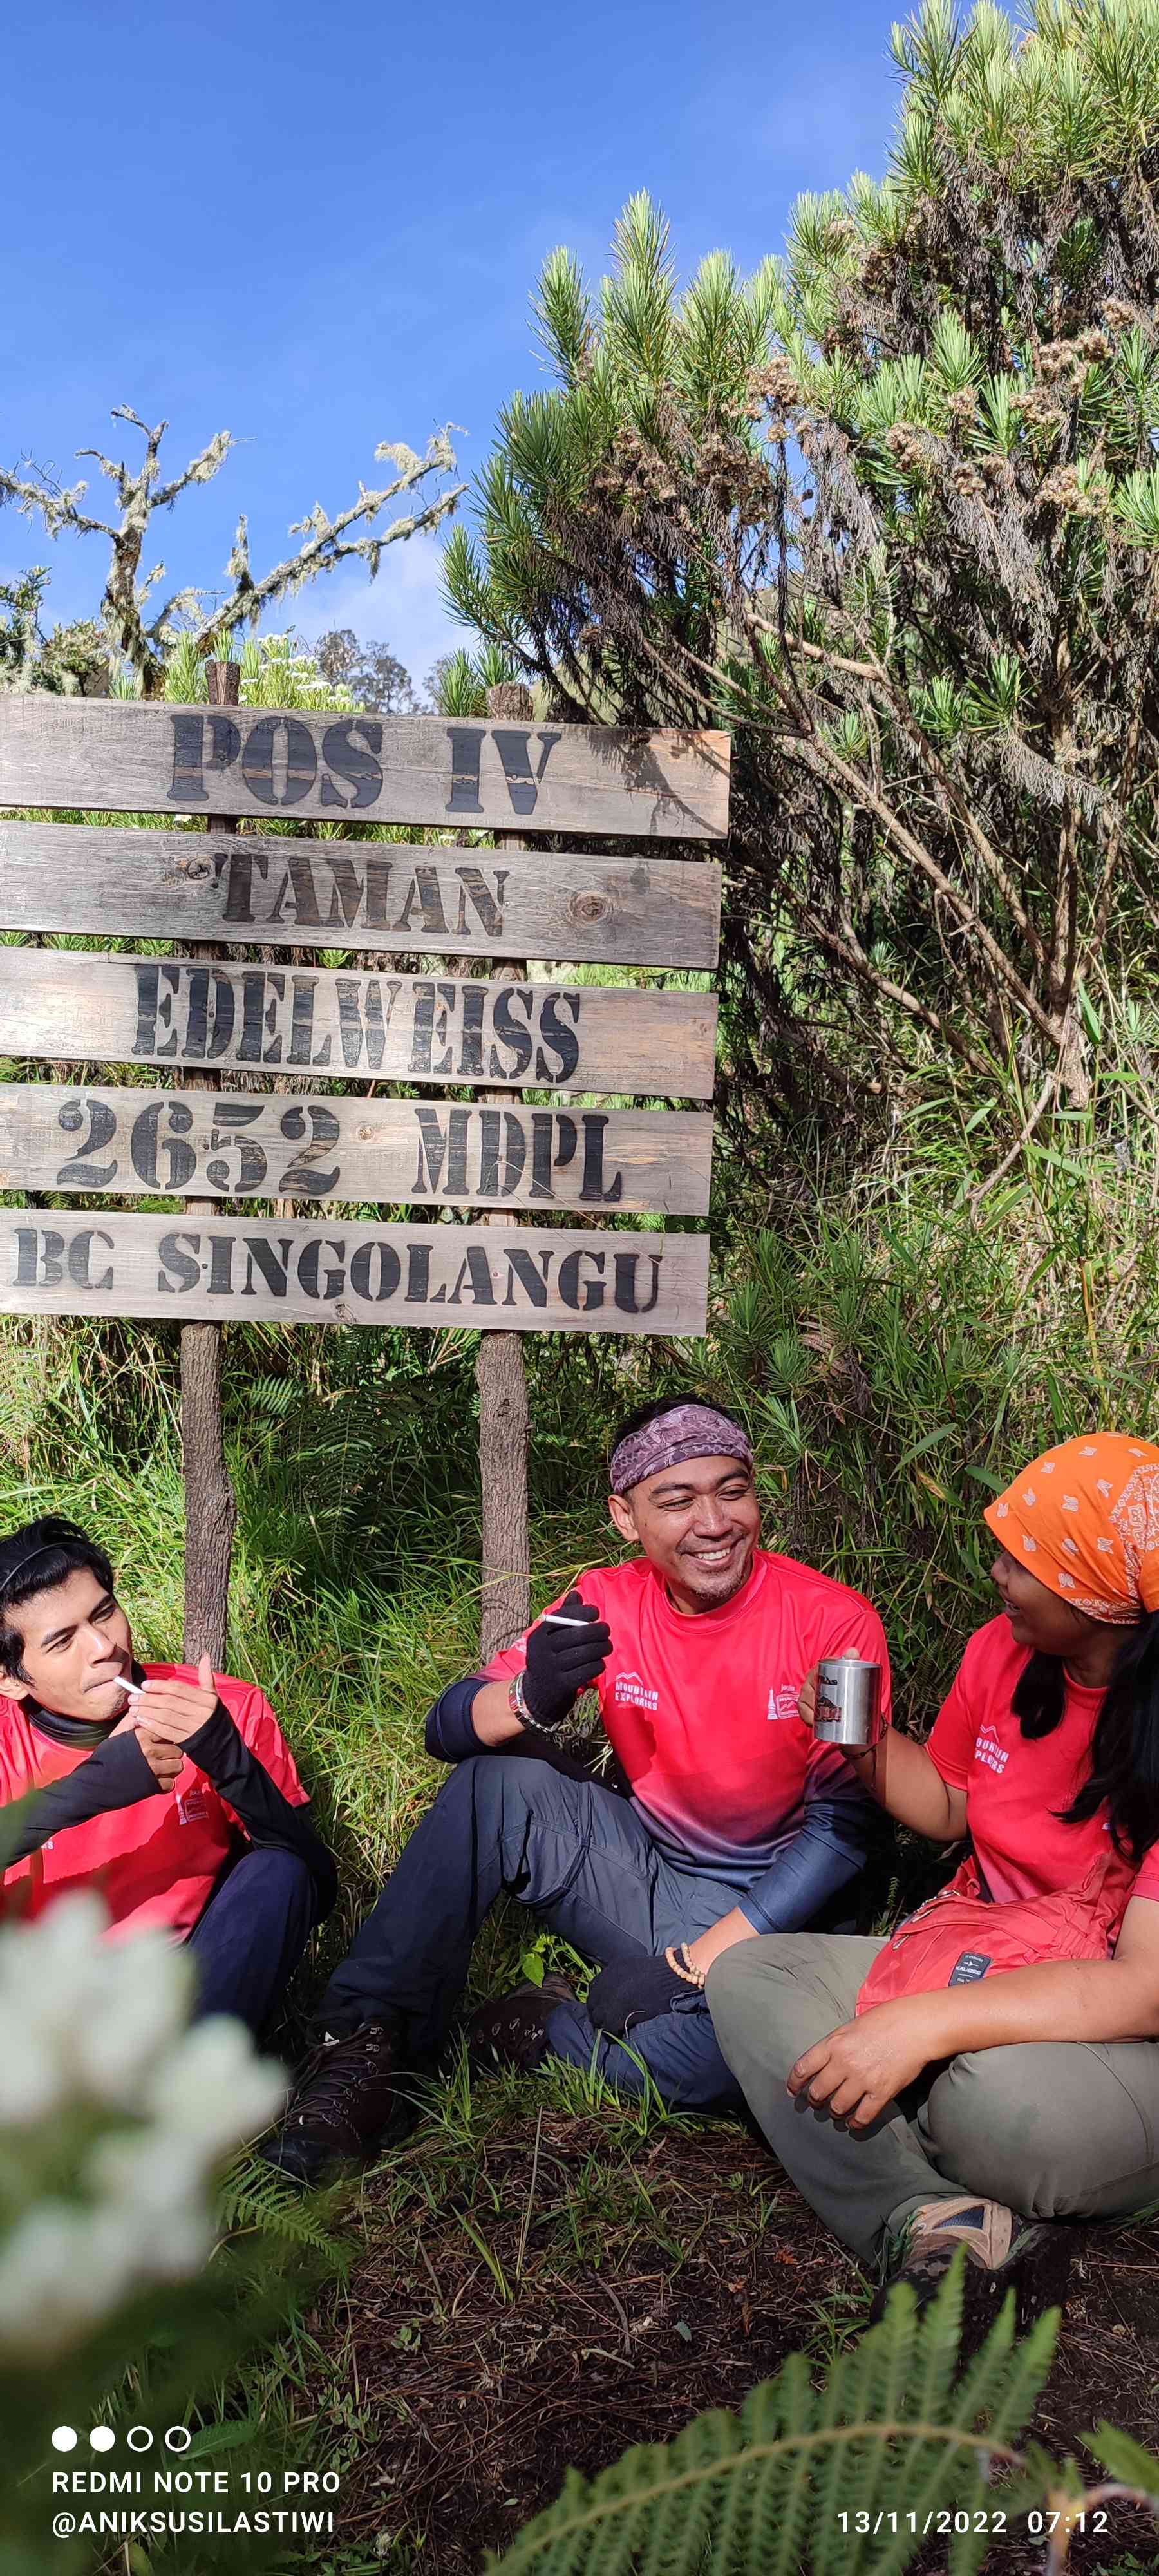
<point>50,1548</point>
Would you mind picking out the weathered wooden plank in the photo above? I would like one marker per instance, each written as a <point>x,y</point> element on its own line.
<point>358,894</point>
<point>528,1280</point>
<point>157,1144</point>
<point>402,1028</point>
<point>109,755</point>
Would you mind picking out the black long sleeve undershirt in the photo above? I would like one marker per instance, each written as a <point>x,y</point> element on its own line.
<point>117,1775</point>
<point>268,1818</point>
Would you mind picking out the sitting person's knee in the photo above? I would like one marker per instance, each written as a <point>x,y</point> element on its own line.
<point>741,1983</point>
<point>274,1867</point>
<point>992,2130</point>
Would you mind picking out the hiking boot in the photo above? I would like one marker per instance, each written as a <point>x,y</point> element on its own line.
<point>1001,2254</point>
<point>346,2096</point>
<point>511,2030</point>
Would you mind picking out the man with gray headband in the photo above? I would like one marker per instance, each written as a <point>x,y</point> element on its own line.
<point>737,1820</point>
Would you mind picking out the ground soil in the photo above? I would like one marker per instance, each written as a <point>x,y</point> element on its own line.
<point>530,2302</point>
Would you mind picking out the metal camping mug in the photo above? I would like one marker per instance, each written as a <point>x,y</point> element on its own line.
<point>848,1701</point>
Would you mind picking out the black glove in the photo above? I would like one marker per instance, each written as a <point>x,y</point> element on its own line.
<point>562,1661</point>
<point>633,1990</point>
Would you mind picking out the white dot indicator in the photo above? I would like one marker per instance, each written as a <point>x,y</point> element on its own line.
<point>102,2437</point>
<point>65,2438</point>
<point>139,2437</point>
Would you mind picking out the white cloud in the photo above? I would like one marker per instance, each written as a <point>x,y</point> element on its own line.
<point>403,608</point>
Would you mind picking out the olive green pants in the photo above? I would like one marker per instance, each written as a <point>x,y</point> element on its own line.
<point>1053,2129</point>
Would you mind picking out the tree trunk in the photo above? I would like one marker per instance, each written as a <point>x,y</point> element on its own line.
<point>500,1375</point>
<point>210,1508</point>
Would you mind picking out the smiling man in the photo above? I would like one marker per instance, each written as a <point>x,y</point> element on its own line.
<point>736,1820</point>
<point>171,1793</point>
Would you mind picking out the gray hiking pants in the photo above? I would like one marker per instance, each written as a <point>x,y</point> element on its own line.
<point>1054,2129</point>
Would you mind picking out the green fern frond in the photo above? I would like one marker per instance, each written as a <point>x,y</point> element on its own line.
<point>252,2201</point>
<point>800,2468</point>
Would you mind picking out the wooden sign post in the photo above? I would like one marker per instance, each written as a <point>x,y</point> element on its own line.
<point>501,1382</point>
<point>273,1190</point>
<point>210,1502</point>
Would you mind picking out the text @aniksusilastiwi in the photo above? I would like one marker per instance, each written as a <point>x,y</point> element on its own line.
<point>228,1268</point>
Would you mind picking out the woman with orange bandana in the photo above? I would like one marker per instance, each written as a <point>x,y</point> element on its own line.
<point>993,2064</point>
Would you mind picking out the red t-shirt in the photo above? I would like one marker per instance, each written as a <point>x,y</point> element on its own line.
<point>702,1711</point>
<point>1016,1791</point>
<point>153,1863</point>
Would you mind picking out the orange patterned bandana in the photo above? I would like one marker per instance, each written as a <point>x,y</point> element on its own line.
<point>1084,1518</point>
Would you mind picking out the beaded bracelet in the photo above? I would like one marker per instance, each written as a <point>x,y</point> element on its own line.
<point>682,1965</point>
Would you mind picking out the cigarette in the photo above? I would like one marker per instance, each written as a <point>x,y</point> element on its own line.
<point>556,1619</point>
<point>133,1688</point>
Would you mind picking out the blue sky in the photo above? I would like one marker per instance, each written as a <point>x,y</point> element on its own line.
<point>320,228</point>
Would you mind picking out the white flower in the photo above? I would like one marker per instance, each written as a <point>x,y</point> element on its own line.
<point>61,2270</point>
<point>92,2013</point>
<point>160,2183</point>
<point>145,1993</point>
<point>86,2026</point>
<point>212,2091</point>
<point>52,1966</point>
<point>32,2081</point>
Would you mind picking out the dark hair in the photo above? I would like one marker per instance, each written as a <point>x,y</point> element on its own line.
<point>666,1404</point>
<point>32,1560</point>
<point>1124,1772</point>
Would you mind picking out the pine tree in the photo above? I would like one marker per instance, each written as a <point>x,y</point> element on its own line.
<point>890,510</point>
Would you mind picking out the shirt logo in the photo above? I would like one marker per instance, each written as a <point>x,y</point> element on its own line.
<point>989,1749</point>
<point>632,1692</point>
<point>782,1703</point>
<point>191,1806</point>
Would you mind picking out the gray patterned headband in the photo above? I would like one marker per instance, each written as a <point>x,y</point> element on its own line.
<point>687,1431</point>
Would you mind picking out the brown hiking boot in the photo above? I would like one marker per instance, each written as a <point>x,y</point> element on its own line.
<point>347,2094</point>
<point>1003,2252</point>
<point>511,2030</point>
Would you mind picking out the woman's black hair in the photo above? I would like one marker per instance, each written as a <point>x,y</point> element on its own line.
<point>32,1560</point>
<point>643,1413</point>
<point>1124,1772</point>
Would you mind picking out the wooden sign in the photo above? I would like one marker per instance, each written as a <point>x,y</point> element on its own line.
<point>403,1028</point>
<point>110,755</point>
<point>153,1143</point>
<point>358,894</point>
<point>527,1280</point>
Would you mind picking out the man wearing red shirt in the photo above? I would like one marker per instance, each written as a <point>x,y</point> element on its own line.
<point>172,1793</point>
<point>736,1820</point>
